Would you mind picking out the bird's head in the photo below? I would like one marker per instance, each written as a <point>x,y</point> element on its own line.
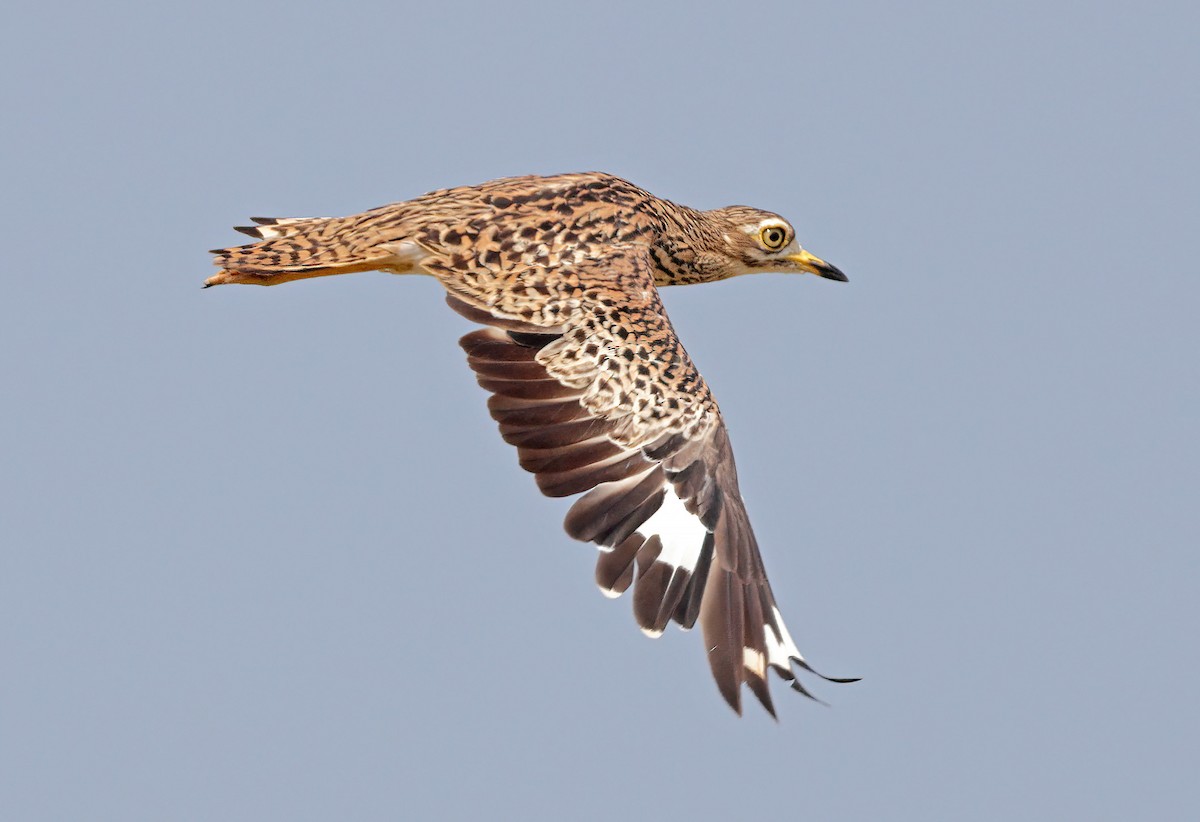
<point>759,241</point>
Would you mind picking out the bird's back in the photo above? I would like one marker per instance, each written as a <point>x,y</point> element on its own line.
<point>504,223</point>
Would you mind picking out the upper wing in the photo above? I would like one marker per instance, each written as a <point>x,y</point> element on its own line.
<point>599,396</point>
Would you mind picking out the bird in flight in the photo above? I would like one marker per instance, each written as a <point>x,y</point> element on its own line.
<point>587,377</point>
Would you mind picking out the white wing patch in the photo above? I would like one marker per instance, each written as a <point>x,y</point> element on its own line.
<point>780,652</point>
<point>668,548</point>
<point>753,660</point>
<point>682,533</point>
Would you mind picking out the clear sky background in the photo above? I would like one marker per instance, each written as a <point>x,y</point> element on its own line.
<point>264,555</point>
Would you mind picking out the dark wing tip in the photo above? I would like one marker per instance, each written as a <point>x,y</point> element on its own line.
<point>727,673</point>
<point>800,689</point>
<point>249,230</point>
<point>732,694</point>
<point>840,680</point>
<point>760,690</point>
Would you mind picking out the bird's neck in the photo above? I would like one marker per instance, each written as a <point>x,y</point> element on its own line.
<point>680,251</point>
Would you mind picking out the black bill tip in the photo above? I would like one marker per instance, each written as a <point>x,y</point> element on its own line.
<point>831,272</point>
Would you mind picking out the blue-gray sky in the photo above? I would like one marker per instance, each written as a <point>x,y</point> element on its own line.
<point>265,557</point>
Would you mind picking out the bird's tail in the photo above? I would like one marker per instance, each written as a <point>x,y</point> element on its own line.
<point>294,248</point>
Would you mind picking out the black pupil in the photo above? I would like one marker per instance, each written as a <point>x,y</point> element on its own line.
<point>774,236</point>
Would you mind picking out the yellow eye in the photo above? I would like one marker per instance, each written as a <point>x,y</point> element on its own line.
<point>773,237</point>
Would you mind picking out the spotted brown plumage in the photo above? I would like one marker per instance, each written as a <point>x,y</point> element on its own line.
<point>587,377</point>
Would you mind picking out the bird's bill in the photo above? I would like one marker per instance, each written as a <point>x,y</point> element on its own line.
<point>815,265</point>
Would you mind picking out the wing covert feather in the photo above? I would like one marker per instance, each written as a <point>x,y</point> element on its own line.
<point>600,398</point>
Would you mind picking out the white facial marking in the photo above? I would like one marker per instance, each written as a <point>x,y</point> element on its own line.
<point>681,532</point>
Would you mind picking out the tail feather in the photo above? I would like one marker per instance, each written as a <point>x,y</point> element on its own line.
<point>271,228</point>
<point>293,248</point>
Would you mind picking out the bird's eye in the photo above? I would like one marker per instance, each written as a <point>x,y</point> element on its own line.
<point>773,237</point>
